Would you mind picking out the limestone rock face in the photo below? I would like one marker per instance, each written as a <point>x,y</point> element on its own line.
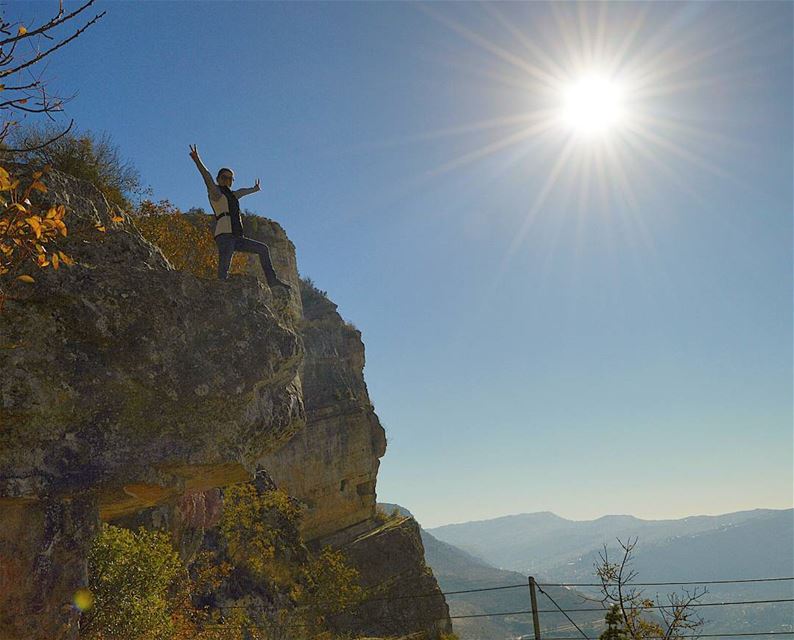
<point>43,548</point>
<point>132,392</point>
<point>390,560</point>
<point>332,464</point>
<point>121,372</point>
<point>131,382</point>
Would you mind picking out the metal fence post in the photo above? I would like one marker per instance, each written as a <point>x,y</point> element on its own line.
<point>534,599</point>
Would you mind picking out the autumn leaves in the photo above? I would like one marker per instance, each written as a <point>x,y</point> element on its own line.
<point>28,233</point>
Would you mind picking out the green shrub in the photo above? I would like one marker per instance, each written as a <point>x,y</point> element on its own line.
<point>311,294</point>
<point>131,574</point>
<point>332,585</point>
<point>261,533</point>
<point>380,515</point>
<point>86,155</point>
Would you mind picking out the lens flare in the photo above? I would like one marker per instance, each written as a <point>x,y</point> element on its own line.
<point>83,599</point>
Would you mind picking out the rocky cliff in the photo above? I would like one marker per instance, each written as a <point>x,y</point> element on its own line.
<point>129,386</point>
<point>332,464</point>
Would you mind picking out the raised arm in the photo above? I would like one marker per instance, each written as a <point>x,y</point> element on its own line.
<point>244,192</point>
<point>212,188</point>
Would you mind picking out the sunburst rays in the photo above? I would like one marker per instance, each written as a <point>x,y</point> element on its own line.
<point>650,62</point>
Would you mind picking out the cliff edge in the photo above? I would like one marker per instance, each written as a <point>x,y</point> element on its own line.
<point>128,385</point>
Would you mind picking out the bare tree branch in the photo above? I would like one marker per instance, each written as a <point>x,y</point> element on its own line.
<point>5,58</point>
<point>33,61</point>
<point>677,617</point>
<point>30,96</point>
<point>24,86</point>
<point>44,110</point>
<point>41,146</point>
<point>54,22</point>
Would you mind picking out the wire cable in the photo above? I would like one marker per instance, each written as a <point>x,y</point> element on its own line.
<point>699,635</point>
<point>554,602</point>
<point>450,593</point>
<point>660,584</point>
<point>659,606</point>
<point>514,586</point>
<point>584,637</point>
<point>581,610</point>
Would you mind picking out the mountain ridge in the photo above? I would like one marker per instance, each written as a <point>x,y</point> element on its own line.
<point>604,517</point>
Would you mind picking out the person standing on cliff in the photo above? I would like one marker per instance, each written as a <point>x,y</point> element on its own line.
<point>228,222</point>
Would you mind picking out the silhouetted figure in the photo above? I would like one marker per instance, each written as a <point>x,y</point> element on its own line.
<point>229,225</point>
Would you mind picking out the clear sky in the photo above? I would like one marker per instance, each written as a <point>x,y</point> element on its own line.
<point>553,321</point>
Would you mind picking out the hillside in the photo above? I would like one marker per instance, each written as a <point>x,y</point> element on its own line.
<point>513,541</point>
<point>748,544</point>
<point>457,570</point>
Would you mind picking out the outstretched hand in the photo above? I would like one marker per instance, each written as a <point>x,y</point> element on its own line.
<point>194,152</point>
<point>256,184</point>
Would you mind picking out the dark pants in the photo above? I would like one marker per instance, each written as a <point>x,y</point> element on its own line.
<point>228,244</point>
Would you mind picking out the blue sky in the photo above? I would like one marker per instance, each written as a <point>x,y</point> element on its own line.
<point>614,340</point>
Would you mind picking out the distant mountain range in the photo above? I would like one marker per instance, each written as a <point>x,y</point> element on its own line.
<point>747,544</point>
<point>545,543</point>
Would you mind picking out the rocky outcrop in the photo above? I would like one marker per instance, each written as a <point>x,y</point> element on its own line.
<point>132,383</point>
<point>332,464</point>
<point>133,393</point>
<point>404,597</point>
<point>43,548</point>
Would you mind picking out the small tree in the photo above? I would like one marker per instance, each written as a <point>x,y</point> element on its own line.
<point>332,586</point>
<point>28,234</point>
<point>261,532</point>
<point>629,608</point>
<point>615,629</point>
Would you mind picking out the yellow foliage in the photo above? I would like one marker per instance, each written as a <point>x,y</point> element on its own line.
<point>255,527</point>
<point>140,590</point>
<point>332,585</point>
<point>26,233</point>
<point>189,247</point>
<point>131,575</point>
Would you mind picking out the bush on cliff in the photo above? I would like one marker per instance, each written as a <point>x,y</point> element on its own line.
<point>142,591</point>
<point>332,585</point>
<point>260,530</point>
<point>29,231</point>
<point>185,240</point>
<point>87,155</point>
<point>132,576</point>
<point>261,533</point>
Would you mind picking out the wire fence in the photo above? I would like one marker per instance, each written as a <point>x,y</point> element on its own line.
<point>524,585</point>
<point>566,611</point>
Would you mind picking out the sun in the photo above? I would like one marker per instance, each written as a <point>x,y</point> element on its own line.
<point>592,105</point>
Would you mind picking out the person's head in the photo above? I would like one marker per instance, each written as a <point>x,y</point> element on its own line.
<point>225,177</point>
